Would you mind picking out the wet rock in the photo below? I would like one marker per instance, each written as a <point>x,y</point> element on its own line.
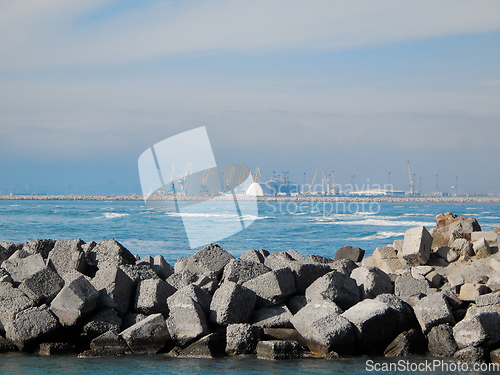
<point>278,350</point>
<point>240,271</point>
<point>407,343</point>
<point>242,338</point>
<point>272,287</point>
<point>148,336</point>
<point>372,282</point>
<point>210,260</point>
<point>21,269</point>
<point>210,346</point>
<point>43,286</point>
<point>232,303</point>
<point>151,296</point>
<point>102,322</point>
<point>336,287</point>
<point>110,342</point>
<point>432,311</point>
<point>76,300</point>
<point>441,341</point>
<point>115,288</point>
<point>272,317</point>
<point>471,354</point>
<point>67,256</point>
<point>350,252</point>
<point>417,246</point>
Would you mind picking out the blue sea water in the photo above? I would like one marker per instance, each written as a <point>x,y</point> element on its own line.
<point>309,228</point>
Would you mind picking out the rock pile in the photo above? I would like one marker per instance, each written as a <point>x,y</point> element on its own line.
<point>436,291</point>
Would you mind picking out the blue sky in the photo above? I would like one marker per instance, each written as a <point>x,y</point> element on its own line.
<point>358,87</point>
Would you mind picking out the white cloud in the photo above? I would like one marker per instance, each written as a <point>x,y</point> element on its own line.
<point>48,33</point>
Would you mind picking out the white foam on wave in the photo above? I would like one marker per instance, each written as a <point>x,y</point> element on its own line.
<point>381,222</point>
<point>378,236</point>
<point>113,215</point>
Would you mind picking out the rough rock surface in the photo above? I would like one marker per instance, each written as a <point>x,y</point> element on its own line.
<point>242,338</point>
<point>148,336</point>
<point>337,287</point>
<point>232,303</point>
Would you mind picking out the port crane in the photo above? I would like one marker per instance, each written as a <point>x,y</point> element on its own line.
<point>204,179</point>
<point>312,182</point>
<point>334,186</point>
<point>229,178</point>
<point>412,191</point>
<point>181,179</point>
<point>256,175</point>
<point>326,181</point>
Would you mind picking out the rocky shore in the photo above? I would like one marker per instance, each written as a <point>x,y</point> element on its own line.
<point>436,292</point>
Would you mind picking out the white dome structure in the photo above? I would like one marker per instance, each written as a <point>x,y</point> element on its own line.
<point>255,190</point>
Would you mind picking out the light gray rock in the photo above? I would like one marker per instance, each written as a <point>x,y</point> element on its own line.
<point>22,268</point>
<point>349,252</point>
<point>469,292</point>
<point>199,295</point>
<point>419,272</point>
<point>372,281</point>
<point>336,287</point>
<point>148,336</point>
<point>408,286</point>
<point>441,341</point>
<point>242,338</point>
<point>108,253</point>
<point>306,273</point>
<point>101,322</point>
<point>258,256</point>
<point>30,325</point>
<point>272,287</point>
<point>488,299</point>
<point>345,266</point>
<point>161,267</point>
<point>43,286</point>
<point>481,248</point>
<point>232,303</point>
<point>12,301</point>
<point>490,236</point>
<point>186,321</point>
<point>148,260</point>
<point>38,246</point>
<point>295,254</point>
<point>480,327</point>
<point>279,259</point>
<point>432,311</point>
<point>76,300</point>
<point>386,259</point>
<point>417,246</point>
<point>435,279</point>
<point>448,254</point>
<point>210,260</point>
<point>324,327</point>
<point>463,247</point>
<point>378,321</point>
<point>180,264</point>
<point>278,350</point>
<point>151,296</point>
<point>67,256</point>
<point>115,288</point>
<point>272,317</point>
<point>240,271</point>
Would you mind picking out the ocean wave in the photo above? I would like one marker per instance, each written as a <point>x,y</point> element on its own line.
<point>377,236</point>
<point>113,215</point>
<point>382,223</point>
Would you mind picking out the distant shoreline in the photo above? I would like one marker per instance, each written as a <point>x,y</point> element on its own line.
<point>459,199</point>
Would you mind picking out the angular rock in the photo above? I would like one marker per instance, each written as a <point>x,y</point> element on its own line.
<point>22,268</point>
<point>295,303</point>
<point>148,336</point>
<point>43,286</point>
<point>108,253</point>
<point>462,247</point>
<point>272,287</point>
<point>115,288</point>
<point>345,266</point>
<point>242,338</point>
<point>447,223</point>
<point>279,259</point>
<point>378,321</point>
<point>295,254</point>
<point>324,327</point>
<point>161,267</point>
<point>39,246</point>
<point>278,350</point>
<point>447,253</point>
<point>407,343</point>
<point>12,301</point>
<point>210,346</point>
<point>432,311</point>
<point>30,325</point>
<point>306,273</point>
<point>7,249</point>
<point>480,327</point>
<point>210,260</point>
<point>441,342</point>
<point>336,287</point>
<point>129,319</point>
<point>488,299</point>
<point>419,272</point>
<point>109,341</point>
<point>417,246</point>
<point>102,322</point>
<point>240,271</point>
<point>272,317</point>
<point>407,286</point>
<point>148,260</point>
<point>198,295</point>
<point>318,259</point>
<point>469,292</point>
<point>252,255</point>
<point>151,296</point>
<point>6,345</point>
<point>387,259</point>
<point>350,252</point>
<point>4,276</point>
<point>481,248</point>
<point>495,356</point>
<point>471,354</point>
<point>232,303</point>
<point>372,282</point>
<point>489,236</point>
<point>67,256</point>
<point>186,321</point>
<point>76,300</point>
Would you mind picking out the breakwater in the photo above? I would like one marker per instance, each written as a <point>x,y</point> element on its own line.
<point>98,299</point>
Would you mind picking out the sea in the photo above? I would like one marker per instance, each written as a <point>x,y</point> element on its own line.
<point>308,227</point>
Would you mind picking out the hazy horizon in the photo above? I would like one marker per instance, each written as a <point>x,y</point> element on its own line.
<point>356,87</point>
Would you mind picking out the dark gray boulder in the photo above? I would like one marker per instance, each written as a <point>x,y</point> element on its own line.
<point>151,296</point>
<point>115,288</point>
<point>43,286</point>
<point>336,287</point>
<point>12,301</point>
<point>407,343</point>
<point>279,259</point>
<point>278,350</point>
<point>7,249</point>
<point>108,253</point>
<point>210,346</point>
<point>232,303</point>
<point>101,322</point>
<point>272,317</point>
<point>240,271</point>
<point>67,256</point>
<point>148,336</point>
<point>441,341</point>
<point>345,266</point>
<point>432,311</point>
<point>242,338</point>
<point>210,260</point>
<point>408,286</point>
<point>38,246</point>
<point>295,303</point>
<point>471,354</point>
<point>272,287</point>
<point>307,272</point>
<point>22,268</point>
<point>258,256</point>
<point>350,252</point>
<point>318,259</point>
<point>110,342</point>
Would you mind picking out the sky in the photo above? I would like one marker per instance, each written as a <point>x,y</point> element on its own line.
<point>358,87</point>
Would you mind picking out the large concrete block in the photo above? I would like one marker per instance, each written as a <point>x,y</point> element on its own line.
<point>481,248</point>
<point>278,350</point>
<point>161,267</point>
<point>272,317</point>
<point>336,287</point>
<point>7,249</point>
<point>441,341</point>
<point>148,336</point>
<point>38,246</point>
<point>210,260</point>
<point>242,338</point>
<point>350,252</point>
<point>306,273</point>
<point>76,300</point>
<point>279,259</point>
<point>489,236</point>
<point>200,296</point>
<point>372,281</point>
<point>232,303</point>
<point>12,301</point>
<point>240,271</point>
<point>407,343</point>
<point>100,323</point>
<point>186,321</point>
<point>408,286</point>
<point>479,327</point>
<point>417,246</point>
<point>432,311</point>
<point>210,346</point>
<point>378,321</point>
<point>386,258</point>
<point>109,342</point>
<point>258,256</point>
<point>447,223</point>
<point>30,325</point>
<point>115,288</point>
<point>151,296</point>
<point>43,286</point>
<point>272,287</point>
<point>67,256</point>
<point>108,253</point>
<point>22,268</point>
